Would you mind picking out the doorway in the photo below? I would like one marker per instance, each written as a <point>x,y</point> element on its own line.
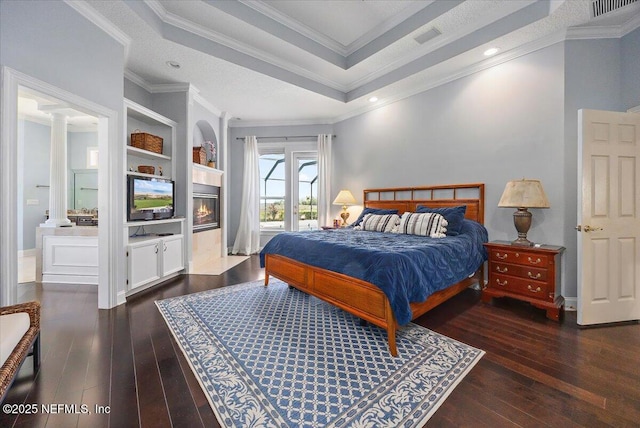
<point>34,167</point>
<point>110,259</point>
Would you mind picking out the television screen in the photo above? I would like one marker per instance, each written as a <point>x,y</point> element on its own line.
<point>150,198</point>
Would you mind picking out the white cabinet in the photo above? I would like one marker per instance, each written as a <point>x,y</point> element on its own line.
<point>151,260</point>
<point>172,255</point>
<point>144,263</point>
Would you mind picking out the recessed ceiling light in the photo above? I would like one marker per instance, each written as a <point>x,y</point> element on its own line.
<point>173,64</point>
<point>373,99</point>
<point>491,51</point>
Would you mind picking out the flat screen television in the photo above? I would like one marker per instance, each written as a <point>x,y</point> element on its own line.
<point>149,198</point>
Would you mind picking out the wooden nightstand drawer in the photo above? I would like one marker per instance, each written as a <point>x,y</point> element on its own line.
<point>519,257</point>
<point>531,274</point>
<point>527,272</point>
<point>523,286</point>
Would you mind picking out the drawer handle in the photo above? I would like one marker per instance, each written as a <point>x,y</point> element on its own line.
<point>503,283</point>
<point>534,262</point>
<point>537,290</point>
<point>502,256</point>
<point>532,276</point>
<point>505,270</point>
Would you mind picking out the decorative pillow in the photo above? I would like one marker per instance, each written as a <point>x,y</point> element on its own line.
<point>453,215</point>
<point>380,222</point>
<point>372,211</point>
<point>423,224</point>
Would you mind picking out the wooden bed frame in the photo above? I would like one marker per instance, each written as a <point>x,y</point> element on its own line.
<point>362,298</point>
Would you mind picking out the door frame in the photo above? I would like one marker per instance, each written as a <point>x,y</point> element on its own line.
<point>111,258</point>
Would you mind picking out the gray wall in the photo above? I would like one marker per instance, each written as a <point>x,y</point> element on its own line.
<point>36,139</point>
<point>517,119</point>
<point>496,125</point>
<point>50,41</point>
<point>630,62</point>
<point>592,81</point>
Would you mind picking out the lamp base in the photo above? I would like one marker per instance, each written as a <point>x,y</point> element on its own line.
<point>524,242</point>
<point>345,215</point>
<point>522,221</point>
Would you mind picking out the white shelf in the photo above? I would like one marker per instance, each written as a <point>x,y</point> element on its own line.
<point>152,222</point>
<point>207,168</point>
<point>141,153</point>
<point>141,174</point>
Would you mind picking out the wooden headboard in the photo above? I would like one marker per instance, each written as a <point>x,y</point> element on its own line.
<point>440,196</point>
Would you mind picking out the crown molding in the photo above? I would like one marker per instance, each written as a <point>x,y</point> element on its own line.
<point>270,12</point>
<point>101,22</point>
<point>134,78</point>
<point>163,88</point>
<point>190,27</point>
<point>235,123</point>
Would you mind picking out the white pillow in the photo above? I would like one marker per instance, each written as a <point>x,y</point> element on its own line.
<point>423,224</point>
<point>380,222</point>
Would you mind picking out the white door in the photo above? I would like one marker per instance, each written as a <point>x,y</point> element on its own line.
<point>172,255</point>
<point>608,219</point>
<point>143,262</point>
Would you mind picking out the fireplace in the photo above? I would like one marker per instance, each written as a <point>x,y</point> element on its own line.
<point>206,207</point>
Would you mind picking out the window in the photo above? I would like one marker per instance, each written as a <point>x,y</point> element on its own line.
<point>288,187</point>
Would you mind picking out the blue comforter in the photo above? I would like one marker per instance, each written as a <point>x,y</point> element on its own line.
<point>407,268</point>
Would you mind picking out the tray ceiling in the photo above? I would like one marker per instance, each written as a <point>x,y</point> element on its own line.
<point>321,60</point>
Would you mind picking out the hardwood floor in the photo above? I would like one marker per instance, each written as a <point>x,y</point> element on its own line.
<point>536,372</point>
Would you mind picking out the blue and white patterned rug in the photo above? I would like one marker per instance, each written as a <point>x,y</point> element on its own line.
<point>274,356</point>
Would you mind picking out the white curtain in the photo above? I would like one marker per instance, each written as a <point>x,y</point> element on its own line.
<point>248,237</point>
<point>324,180</point>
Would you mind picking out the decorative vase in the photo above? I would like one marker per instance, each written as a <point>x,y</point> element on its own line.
<point>211,164</point>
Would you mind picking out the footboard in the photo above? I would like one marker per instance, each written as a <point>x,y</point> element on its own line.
<point>360,298</point>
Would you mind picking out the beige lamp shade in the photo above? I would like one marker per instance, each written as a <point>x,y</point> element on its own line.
<point>524,194</point>
<point>344,198</point>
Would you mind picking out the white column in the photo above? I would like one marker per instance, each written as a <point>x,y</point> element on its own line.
<point>58,173</point>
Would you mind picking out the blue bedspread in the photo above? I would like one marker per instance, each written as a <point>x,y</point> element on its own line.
<point>407,268</point>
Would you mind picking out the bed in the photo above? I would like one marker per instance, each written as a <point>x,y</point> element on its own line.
<point>324,269</point>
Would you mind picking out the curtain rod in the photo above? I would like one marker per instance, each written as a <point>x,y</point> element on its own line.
<point>287,138</point>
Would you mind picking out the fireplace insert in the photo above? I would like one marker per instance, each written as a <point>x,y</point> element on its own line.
<point>206,207</point>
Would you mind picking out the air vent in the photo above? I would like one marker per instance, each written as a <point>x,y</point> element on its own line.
<point>425,37</point>
<point>600,7</point>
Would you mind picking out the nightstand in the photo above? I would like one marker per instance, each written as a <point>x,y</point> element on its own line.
<point>531,274</point>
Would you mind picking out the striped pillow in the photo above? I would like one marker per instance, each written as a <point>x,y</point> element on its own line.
<point>423,224</point>
<point>380,222</point>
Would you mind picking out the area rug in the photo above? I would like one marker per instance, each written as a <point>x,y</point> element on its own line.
<point>274,356</point>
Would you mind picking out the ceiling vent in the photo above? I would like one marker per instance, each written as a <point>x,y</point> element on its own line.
<point>425,37</point>
<point>600,7</point>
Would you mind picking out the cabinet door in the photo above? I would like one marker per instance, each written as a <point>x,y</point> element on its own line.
<point>144,263</point>
<point>172,255</point>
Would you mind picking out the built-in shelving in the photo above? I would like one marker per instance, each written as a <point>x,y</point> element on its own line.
<point>155,248</point>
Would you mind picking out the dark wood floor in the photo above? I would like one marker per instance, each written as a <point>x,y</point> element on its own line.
<point>536,372</point>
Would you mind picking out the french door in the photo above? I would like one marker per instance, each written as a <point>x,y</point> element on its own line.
<point>288,187</point>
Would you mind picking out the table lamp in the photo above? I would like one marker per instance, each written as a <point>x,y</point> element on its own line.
<point>523,194</point>
<point>344,198</point>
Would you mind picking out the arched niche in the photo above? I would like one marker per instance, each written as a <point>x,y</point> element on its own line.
<point>202,132</point>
